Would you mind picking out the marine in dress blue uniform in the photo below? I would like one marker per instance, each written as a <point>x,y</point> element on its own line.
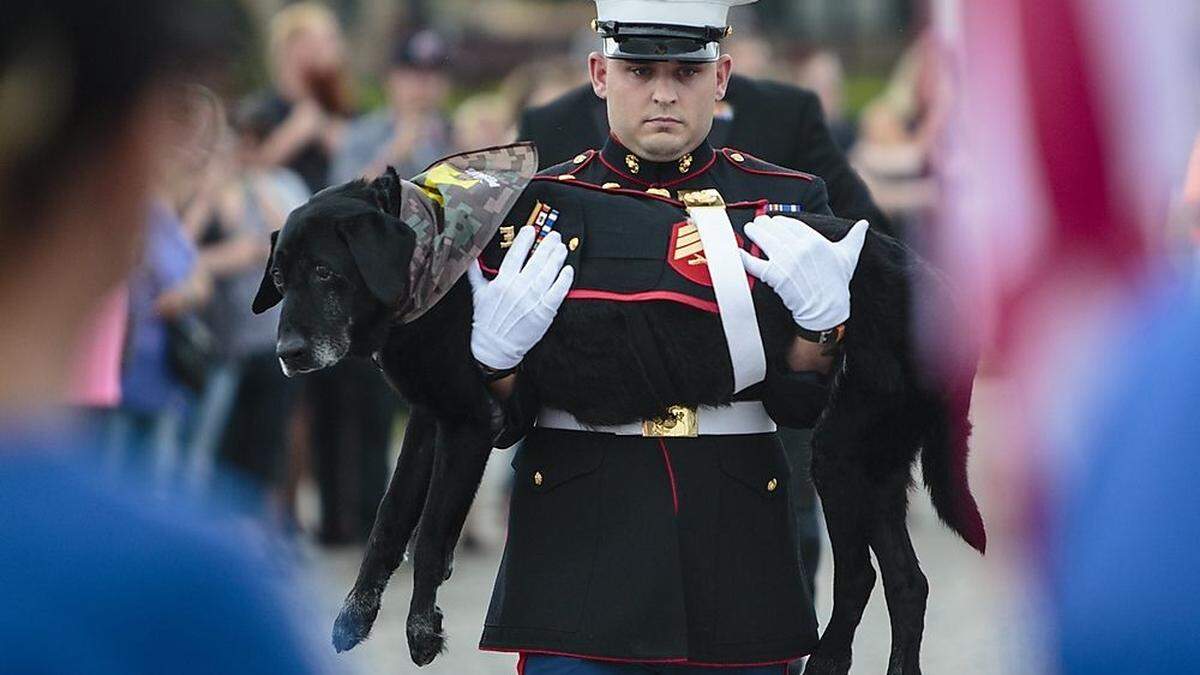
<point>649,525</point>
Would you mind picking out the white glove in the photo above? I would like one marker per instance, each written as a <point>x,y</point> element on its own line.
<point>810,273</point>
<point>515,309</point>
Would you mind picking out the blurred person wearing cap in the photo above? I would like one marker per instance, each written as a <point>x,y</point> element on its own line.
<point>310,100</point>
<point>413,130</point>
<point>97,575</point>
<point>705,578</point>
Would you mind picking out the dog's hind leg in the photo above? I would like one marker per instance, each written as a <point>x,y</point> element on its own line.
<point>461,453</point>
<point>845,498</point>
<point>904,584</point>
<point>394,522</point>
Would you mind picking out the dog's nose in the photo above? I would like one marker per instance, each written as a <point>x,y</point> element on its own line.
<point>290,348</point>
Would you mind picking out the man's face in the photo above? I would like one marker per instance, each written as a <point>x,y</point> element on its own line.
<point>659,109</point>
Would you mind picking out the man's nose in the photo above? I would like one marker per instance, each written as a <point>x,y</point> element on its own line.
<point>664,93</point>
<point>290,347</point>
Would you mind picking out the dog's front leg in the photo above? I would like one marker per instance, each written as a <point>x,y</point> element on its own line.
<point>394,522</point>
<point>460,455</point>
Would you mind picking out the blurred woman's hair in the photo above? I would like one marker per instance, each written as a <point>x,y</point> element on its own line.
<point>331,88</point>
<point>72,74</point>
<point>293,21</point>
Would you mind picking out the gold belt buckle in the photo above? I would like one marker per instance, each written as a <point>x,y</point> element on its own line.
<point>679,422</point>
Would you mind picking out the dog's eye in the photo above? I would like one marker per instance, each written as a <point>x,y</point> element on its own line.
<point>277,277</point>
<point>323,273</point>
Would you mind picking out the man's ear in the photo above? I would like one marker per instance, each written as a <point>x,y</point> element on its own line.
<point>724,69</point>
<point>386,190</point>
<point>268,296</point>
<point>382,248</point>
<point>598,71</point>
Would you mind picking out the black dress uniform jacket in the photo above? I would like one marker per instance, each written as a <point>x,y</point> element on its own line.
<point>638,548</point>
<point>776,122</point>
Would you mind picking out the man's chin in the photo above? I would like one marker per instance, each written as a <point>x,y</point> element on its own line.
<point>663,147</point>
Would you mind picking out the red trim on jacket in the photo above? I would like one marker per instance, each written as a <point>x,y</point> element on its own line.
<point>670,474</point>
<point>644,296</point>
<point>762,172</point>
<point>682,179</point>
<point>591,154</point>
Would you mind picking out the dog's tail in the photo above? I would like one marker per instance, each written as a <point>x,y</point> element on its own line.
<point>949,365</point>
<point>944,466</point>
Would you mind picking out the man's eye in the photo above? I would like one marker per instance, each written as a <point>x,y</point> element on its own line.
<point>688,72</point>
<point>277,278</point>
<point>640,71</point>
<point>323,273</point>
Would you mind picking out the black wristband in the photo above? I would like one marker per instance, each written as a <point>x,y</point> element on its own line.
<point>491,375</point>
<point>822,337</point>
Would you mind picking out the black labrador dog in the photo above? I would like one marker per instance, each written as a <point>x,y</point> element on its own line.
<point>339,267</point>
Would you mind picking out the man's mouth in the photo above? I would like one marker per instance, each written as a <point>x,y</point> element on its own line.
<point>663,120</point>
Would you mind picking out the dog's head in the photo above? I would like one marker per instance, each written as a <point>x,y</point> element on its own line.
<point>340,266</point>
<point>363,256</point>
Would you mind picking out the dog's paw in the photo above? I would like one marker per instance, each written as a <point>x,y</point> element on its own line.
<point>827,664</point>
<point>354,622</point>
<point>425,637</point>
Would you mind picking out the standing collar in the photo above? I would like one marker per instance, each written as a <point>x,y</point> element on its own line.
<point>646,173</point>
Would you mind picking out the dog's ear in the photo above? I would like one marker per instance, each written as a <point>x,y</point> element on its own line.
<point>382,247</point>
<point>268,296</point>
<point>386,190</point>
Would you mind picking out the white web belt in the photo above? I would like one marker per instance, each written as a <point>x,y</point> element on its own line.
<point>731,288</point>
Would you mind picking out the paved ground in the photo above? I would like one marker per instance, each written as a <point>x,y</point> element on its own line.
<point>980,619</point>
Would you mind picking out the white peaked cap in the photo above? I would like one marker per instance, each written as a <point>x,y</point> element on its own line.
<point>668,12</point>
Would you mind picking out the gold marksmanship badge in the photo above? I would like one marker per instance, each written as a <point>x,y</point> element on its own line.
<point>507,234</point>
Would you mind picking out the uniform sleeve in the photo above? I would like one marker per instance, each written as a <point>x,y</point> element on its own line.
<point>848,196</point>
<point>795,398</point>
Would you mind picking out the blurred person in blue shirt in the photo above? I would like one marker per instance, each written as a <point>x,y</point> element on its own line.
<point>1125,537</point>
<point>165,284</point>
<point>96,575</point>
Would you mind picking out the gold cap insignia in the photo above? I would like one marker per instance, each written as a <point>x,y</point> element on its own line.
<point>507,234</point>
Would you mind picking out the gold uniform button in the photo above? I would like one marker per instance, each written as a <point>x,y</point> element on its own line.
<point>573,244</point>
<point>660,192</point>
<point>611,186</point>
<point>537,478</point>
<point>772,484</point>
<point>567,176</point>
<point>737,157</point>
<point>580,158</point>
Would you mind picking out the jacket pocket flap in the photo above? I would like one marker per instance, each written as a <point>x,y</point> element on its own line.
<point>543,468</point>
<point>761,472</point>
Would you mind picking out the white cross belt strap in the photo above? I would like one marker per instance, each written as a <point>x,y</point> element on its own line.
<point>732,291</point>
<point>736,419</point>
